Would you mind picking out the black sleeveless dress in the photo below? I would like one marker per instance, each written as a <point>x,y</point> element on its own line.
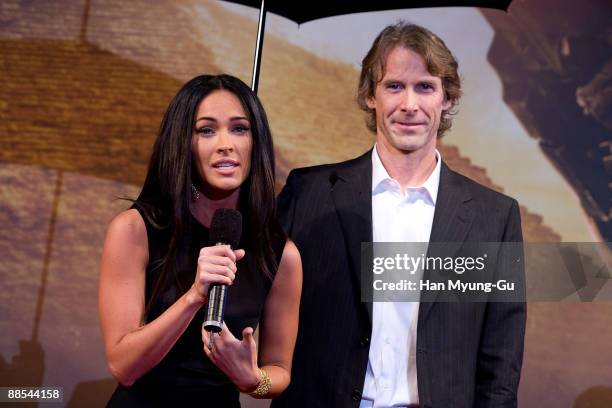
<point>185,376</point>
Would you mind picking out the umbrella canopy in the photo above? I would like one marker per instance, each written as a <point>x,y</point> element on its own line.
<point>301,12</point>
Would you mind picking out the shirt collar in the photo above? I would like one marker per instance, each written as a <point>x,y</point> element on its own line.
<point>381,178</point>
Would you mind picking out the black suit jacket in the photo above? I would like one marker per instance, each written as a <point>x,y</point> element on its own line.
<point>468,354</point>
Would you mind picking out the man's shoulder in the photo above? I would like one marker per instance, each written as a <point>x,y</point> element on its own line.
<point>487,195</point>
<point>326,171</point>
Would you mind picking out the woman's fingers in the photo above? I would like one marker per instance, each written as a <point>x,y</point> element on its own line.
<point>217,270</point>
<point>216,265</point>
<point>236,358</point>
<point>239,254</point>
<point>247,335</point>
<point>211,343</point>
<point>220,340</point>
<point>219,250</point>
<point>209,267</point>
<point>209,279</point>
<point>205,338</point>
<point>215,344</point>
<point>217,261</point>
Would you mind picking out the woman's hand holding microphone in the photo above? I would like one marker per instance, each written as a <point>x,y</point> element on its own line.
<point>236,358</point>
<point>216,265</point>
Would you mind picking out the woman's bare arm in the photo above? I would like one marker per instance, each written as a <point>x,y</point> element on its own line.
<point>133,348</point>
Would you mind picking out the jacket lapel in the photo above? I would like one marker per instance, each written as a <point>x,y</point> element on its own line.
<point>453,218</point>
<point>351,191</point>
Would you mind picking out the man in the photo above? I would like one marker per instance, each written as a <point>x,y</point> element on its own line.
<point>351,353</point>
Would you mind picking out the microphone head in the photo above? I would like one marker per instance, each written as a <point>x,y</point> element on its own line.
<point>226,227</point>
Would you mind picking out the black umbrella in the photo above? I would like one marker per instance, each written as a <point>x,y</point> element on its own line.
<point>301,12</point>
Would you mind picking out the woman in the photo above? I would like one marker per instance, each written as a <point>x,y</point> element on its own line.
<point>214,150</point>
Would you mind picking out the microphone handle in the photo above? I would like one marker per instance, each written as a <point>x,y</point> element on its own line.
<point>217,295</point>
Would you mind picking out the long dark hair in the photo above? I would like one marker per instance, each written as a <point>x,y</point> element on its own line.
<point>166,193</point>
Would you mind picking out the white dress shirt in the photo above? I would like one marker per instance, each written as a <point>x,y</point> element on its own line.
<point>398,215</point>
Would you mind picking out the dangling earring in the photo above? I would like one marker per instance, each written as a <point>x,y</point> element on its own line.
<point>195,193</point>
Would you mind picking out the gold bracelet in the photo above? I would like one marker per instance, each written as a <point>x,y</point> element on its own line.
<point>264,385</point>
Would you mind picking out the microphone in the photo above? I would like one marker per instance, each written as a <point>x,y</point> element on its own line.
<point>225,229</point>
